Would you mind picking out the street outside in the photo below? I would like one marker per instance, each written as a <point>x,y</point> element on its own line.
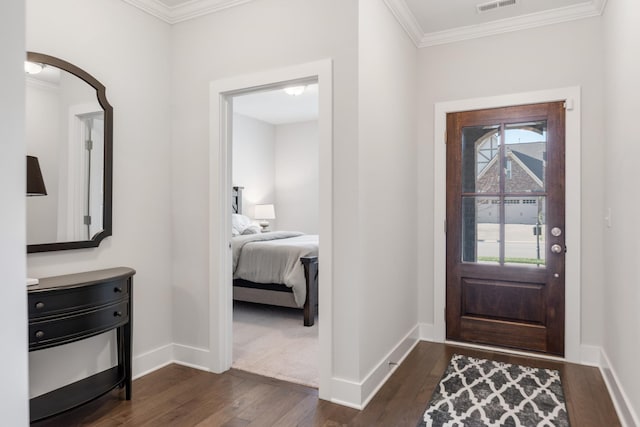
<point>520,242</point>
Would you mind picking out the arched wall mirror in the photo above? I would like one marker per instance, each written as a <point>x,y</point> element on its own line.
<point>69,130</point>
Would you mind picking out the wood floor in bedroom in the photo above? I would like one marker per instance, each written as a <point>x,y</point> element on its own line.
<point>180,396</point>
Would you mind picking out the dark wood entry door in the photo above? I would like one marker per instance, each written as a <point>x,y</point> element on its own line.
<point>505,227</point>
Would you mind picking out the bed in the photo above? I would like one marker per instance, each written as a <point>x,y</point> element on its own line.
<point>276,268</point>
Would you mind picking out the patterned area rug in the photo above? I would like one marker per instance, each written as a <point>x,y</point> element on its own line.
<point>483,393</point>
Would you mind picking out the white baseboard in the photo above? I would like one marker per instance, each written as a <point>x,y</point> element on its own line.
<point>346,393</point>
<point>386,367</point>
<point>621,401</point>
<point>426,332</point>
<point>153,360</point>
<point>590,355</point>
<point>193,357</point>
<point>358,394</point>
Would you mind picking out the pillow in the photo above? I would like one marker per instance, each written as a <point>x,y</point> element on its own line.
<point>252,229</point>
<point>239,223</point>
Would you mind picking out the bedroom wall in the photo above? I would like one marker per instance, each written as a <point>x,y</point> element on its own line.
<point>278,164</point>
<point>253,37</point>
<point>554,56</point>
<point>254,148</point>
<point>387,79</point>
<point>621,240</point>
<point>297,174</point>
<point>128,51</point>
<point>14,394</point>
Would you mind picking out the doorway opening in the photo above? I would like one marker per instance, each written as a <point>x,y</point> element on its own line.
<point>275,231</point>
<point>223,94</point>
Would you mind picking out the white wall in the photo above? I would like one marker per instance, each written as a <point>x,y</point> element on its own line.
<point>254,162</point>
<point>278,164</point>
<point>549,57</point>
<point>128,51</point>
<point>387,125</point>
<point>297,175</point>
<point>621,252</point>
<point>13,317</point>
<point>265,35</point>
<point>43,141</point>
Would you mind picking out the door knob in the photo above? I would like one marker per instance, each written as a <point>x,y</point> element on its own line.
<point>556,249</point>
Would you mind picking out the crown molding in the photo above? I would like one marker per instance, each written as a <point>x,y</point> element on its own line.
<point>533,20</point>
<point>195,8</point>
<point>183,12</point>
<point>421,39</point>
<point>407,19</point>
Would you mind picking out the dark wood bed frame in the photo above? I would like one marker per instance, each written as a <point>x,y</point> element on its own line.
<point>277,293</point>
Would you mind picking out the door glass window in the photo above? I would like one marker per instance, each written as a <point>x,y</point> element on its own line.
<point>504,193</point>
<point>481,229</point>
<point>525,156</point>
<point>480,159</point>
<point>524,229</point>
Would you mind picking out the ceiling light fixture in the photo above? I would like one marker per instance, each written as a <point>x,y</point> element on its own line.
<point>294,90</point>
<point>32,67</point>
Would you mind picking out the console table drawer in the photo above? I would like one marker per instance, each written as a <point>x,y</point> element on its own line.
<point>43,304</point>
<point>60,330</point>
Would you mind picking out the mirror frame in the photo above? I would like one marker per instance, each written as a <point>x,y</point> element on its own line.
<point>108,156</point>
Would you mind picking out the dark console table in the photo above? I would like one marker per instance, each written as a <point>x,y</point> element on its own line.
<point>64,309</point>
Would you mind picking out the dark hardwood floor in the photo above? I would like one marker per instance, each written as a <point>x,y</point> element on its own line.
<point>180,396</point>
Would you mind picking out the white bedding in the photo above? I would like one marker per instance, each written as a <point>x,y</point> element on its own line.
<point>274,257</point>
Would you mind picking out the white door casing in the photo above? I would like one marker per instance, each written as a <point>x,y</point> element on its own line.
<point>220,182</point>
<point>571,95</point>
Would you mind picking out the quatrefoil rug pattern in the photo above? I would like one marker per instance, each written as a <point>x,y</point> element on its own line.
<point>483,393</point>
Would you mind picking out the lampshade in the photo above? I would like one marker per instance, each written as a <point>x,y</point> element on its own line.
<point>35,183</point>
<point>265,212</point>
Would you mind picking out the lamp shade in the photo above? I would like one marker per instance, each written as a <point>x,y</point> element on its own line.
<point>35,183</point>
<point>265,212</point>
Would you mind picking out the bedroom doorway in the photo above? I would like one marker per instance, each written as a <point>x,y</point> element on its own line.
<point>275,231</point>
<point>505,227</point>
<point>223,93</point>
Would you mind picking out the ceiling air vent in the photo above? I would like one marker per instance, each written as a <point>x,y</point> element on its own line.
<point>493,5</point>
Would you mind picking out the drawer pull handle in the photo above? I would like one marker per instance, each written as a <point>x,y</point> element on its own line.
<point>39,334</point>
<point>39,305</point>
<point>117,289</point>
<point>117,314</point>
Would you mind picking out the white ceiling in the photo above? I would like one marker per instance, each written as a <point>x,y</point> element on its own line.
<point>277,107</point>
